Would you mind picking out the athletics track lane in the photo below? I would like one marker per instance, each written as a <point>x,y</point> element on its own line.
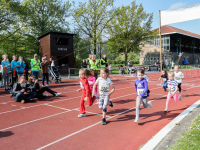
<point>120,133</point>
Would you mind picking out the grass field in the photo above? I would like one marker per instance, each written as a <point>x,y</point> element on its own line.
<point>189,139</point>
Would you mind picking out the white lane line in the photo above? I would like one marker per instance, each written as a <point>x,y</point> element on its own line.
<point>38,105</point>
<point>82,130</point>
<point>57,107</point>
<point>151,144</point>
<point>34,120</point>
<point>91,112</point>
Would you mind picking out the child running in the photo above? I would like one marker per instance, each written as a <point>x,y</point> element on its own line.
<point>178,77</point>
<point>164,77</point>
<point>141,86</point>
<point>86,92</point>
<point>91,81</point>
<point>172,88</point>
<point>104,83</point>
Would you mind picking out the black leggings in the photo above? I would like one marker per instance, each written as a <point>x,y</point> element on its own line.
<point>14,79</point>
<point>179,87</point>
<point>39,93</point>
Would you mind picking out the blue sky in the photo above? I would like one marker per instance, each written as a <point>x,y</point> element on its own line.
<point>156,5</point>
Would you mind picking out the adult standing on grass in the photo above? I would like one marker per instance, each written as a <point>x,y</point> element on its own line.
<point>45,65</point>
<point>35,66</point>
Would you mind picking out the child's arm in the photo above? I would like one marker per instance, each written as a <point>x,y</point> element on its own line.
<point>159,79</point>
<point>175,91</point>
<point>182,75</point>
<point>113,89</point>
<point>94,87</point>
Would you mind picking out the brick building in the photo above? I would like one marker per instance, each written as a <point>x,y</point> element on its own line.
<point>177,45</point>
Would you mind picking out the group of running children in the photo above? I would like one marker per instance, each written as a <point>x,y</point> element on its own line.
<point>89,82</point>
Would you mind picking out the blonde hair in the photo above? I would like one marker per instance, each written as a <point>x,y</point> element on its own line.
<point>14,56</point>
<point>20,57</point>
<point>171,74</point>
<point>3,56</point>
<point>22,77</point>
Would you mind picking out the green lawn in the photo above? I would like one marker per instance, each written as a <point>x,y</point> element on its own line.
<point>189,140</point>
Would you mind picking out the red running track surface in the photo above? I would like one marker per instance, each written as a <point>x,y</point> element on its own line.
<point>53,123</point>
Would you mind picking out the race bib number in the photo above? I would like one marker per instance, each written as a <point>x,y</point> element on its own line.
<point>171,88</point>
<point>177,78</point>
<point>140,91</point>
<point>104,89</point>
<point>90,82</point>
<point>81,85</point>
<point>164,79</point>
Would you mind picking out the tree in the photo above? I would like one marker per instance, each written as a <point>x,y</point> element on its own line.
<point>93,17</point>
<point>128,29</point>
<point>9,23</point>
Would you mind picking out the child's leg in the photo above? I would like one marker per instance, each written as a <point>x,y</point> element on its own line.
<point>105,103</point>
<point>169,96</point>
<point>179,87</point>
<point>82,108</point>
<point>144,101</point>
<point>176,97</point>
<point>138,102</point>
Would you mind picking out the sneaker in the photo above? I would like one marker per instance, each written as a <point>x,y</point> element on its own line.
<point>57,94</point>
<point>150,105</point>
<point>136,120</point>
<point>22,101</point>
<point>180,97</point>
<point>43,85</point>
<point>111,104</point>
<point>46,95</point>
<point>166,110</point>
<point>81,115</point>
<point>47,85</point>
<point>104,121</point>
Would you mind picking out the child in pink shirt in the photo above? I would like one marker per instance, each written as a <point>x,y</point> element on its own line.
<point>91,81</point>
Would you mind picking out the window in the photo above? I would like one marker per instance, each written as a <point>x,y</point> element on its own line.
<point>154,59</point>
<point>62,41</point>
<point>151,58</point>
<point>147,58</point>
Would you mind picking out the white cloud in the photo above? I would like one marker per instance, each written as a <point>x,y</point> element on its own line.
<point>177,5</point>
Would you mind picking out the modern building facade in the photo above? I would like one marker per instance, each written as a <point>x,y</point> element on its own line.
<point>177,45</point>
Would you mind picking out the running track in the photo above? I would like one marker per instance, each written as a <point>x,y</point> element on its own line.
<point>53,123</point>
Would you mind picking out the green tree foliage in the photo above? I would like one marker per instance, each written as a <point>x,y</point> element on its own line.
<point>130,27</point>
<point>92,18</point>
<point>9,23</point>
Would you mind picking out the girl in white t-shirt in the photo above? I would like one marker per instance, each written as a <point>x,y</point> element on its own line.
<point>178,76</point>
<point>104,83</point>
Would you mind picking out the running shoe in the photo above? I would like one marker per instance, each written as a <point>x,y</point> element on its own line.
<point>22,101</point>
<point>57,94</point>
<point>81,115</point>
<point>180,97</point>
<point>111,104</point>
<point>47,85</point>
<point>104,121</point>
<point>43,85</point>
<point>136,120</point>
<point>166,110</point>
<point>46,95</point>
<point>150,105</point>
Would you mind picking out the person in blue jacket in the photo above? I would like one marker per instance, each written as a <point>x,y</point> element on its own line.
<point>6,71</point>
<point>20,70</point>
<point>14,67</point>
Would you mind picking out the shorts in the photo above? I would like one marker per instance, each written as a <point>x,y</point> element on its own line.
<point>103,102</point>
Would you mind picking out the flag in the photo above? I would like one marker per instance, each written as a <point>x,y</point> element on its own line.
<point>180,15</point>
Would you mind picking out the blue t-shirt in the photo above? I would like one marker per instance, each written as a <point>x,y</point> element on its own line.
<point>172,85</point>
<point>142,88</point>
<point>14,64</point>
<point>21,67</point>
<point>5,64</point>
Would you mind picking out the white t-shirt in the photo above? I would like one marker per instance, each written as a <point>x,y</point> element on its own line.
<point>145,76</point>
<point>104,85</point>
<point>178,76</point>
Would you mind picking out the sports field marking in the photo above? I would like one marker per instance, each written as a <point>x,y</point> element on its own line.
<point>90,112</point>
<point>56,107</point>
<point>34,120</point>
<point>152,143</point>
<point>82,130</point>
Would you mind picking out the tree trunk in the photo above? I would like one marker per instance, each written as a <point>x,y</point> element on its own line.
<point>95,45</point>
<point>126,51</point>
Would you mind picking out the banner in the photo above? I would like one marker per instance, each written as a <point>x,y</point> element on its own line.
<point>181,14</point>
